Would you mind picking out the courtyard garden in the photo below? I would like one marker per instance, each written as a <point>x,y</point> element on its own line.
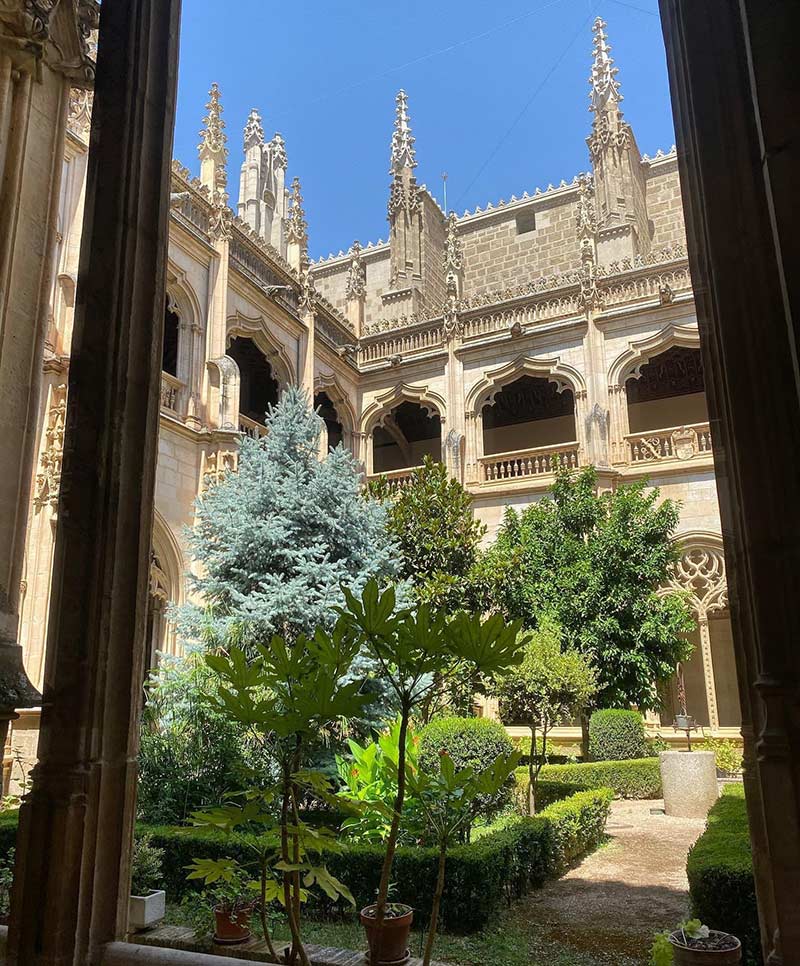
<point>312,771</point>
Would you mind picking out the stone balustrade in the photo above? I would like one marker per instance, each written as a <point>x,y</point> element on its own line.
<point>249,427</point>
<point>401,343</point>
<point>676,443</point>
<point>521,464</point>
<point>170,393</point>
<point>396,479</point>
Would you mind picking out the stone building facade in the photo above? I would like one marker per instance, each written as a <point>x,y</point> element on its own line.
<point>560,324</point>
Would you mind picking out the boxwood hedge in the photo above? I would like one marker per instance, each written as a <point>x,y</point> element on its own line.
<point>637,778</point>
<point>510,857</point>
<point>720,872</point>
<point>616,734</point>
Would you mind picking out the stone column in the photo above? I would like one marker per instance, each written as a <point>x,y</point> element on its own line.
<point>708,672</point>
<point>72,874</point>
<point>733,77</point>
<point>620,427</point>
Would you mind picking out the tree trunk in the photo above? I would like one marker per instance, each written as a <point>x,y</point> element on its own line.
<point>391,842</point>
<point>294,928</point>
<point>585,735</point>
<point>263,910</point>
<point>437,901</point>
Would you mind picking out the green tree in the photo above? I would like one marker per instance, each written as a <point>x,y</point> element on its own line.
<point>416,649</point>
<point>431,520</point>
<point>596,563</point>
<point>278,539</point>
<point>284,694</point>
<point>549,686</point>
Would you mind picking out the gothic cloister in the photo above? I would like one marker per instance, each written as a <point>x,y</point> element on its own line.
<point>136,350</point>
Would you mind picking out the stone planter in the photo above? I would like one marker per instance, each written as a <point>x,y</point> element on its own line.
<point>144,912</point>
<point>689,779</point>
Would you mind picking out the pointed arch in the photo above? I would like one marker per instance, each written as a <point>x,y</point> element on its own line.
<point>638,353</point>
<point>257,330</point>
<point>166,587</point>
<point>550,368</point>
<point>328,383</point>
<point>384,403</point>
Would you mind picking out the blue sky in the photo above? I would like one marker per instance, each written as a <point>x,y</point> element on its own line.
<point>498,94</point>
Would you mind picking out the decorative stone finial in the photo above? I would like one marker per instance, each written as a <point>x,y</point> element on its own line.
<point>213,150</point>
<point>605,88</point>
<point>453,254</point>
<point>213,140</point>
<point>403,154</point>
<point>253,130</point>
<point>357,277</point>
<point>296,225</point>
<point>278,147</point>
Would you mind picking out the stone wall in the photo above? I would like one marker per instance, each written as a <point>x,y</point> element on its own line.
<point>664,207</point>
<point>497,254</point>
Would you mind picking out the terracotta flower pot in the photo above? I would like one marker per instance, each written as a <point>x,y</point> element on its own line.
<point>394,934</point>
<point>692,956</point>
<point>232,929</point>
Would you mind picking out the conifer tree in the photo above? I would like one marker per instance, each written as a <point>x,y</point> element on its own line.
<point>279,539</point>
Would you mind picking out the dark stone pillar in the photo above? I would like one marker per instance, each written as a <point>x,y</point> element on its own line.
<point>71,880</point>
<point>736,98</point>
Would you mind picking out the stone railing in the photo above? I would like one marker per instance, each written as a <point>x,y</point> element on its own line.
<point>170,393</point>
<point>640,284</point>
<point>676,443</point>
<point>396,479</point>
<point>249,427</point>
<point>516,317</point>
<point>401,343</point>
<point>521,464</point>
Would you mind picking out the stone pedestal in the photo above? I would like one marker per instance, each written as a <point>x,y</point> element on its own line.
<point>690,784</point>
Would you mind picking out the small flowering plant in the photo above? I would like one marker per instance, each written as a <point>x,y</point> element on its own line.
<point>691,934</point>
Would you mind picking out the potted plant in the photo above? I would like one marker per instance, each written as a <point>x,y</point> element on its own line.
<point>418,650</point>
<point>694,944</point>
<point>233,905</point>
<point>393,933</point>
<point>147,904</point>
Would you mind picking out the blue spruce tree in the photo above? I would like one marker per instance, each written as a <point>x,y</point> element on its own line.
<point>279,539</point>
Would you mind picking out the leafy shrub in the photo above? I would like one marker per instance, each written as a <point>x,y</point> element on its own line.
<point>190,755</point>
<point>727,754</point>
<point>6,881</point>
<point>720,872</point>
<point>470,742</point>
<point>556,755</point>
<point>616,735</point>
<point>8,830</point>
<point>639,778</point>
<point>146,862</point>
<point>508,859</point>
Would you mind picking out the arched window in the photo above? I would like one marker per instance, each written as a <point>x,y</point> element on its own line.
<point>527,413</point>
<point>405,436</point>
<point>169,352</point>
<point>668,391</point>
<point>258,387</point>
<point>326,409</point>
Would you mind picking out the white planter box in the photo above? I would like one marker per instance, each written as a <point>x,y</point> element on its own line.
<point>146,911</point>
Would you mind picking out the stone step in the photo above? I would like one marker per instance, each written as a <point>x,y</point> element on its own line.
<point>254,950</point>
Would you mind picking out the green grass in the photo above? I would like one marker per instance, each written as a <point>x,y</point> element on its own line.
<point>514,940</point>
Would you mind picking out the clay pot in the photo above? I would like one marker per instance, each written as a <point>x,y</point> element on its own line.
<point>232,930</point>
<point>687,956</point>
<point>394,934</point>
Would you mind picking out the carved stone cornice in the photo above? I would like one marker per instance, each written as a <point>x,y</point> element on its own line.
<point>58,33</point>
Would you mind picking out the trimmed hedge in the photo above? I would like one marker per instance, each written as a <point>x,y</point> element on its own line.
<point>616,735</point>
<point>470,743</point>
<point>639,778</point>
<point>511,857</point>
<point>720,872</point>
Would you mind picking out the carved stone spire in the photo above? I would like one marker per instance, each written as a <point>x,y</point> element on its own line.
<point>297,230</point>
<point>253,131</point>
<point>605,89</point>
<point>212,149</point>
<point>619,184</point>
<point>403,154</point>
<point>277,147</point>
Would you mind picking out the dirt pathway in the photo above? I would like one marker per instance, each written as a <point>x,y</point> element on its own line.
<point>627,890</point>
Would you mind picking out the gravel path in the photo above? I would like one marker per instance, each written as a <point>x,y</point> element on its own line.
<point>630,888</point>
